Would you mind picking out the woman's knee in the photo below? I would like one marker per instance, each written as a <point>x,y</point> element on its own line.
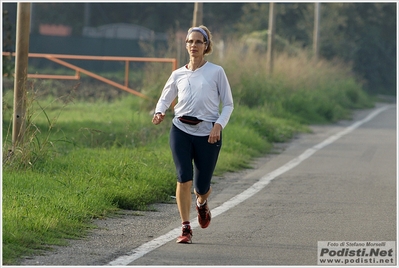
<point>185,185</point>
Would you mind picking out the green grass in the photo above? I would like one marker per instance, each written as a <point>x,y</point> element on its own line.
<point>87,159</point>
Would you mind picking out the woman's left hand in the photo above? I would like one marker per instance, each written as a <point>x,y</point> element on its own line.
<point>214,136</point>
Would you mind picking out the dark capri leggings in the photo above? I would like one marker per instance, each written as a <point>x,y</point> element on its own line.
<point>186,148</point>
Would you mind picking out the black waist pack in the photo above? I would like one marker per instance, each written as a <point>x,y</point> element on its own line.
<point>190,120</point>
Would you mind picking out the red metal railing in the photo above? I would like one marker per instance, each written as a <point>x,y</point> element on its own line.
<point>58,59</point>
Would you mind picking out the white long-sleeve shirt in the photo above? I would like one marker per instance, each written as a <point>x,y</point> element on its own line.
<point>199,94</point>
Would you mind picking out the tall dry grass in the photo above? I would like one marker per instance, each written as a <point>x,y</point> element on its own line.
<point>296,86</point>
<point>296,71</point>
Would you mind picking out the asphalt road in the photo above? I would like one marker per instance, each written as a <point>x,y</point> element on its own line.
<point>340,186</point>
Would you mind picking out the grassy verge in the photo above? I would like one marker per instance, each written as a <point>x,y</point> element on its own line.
<point>84,160</point>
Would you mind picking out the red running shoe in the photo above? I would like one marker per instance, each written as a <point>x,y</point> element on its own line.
<point>204,215</point>
<point>187,233</point>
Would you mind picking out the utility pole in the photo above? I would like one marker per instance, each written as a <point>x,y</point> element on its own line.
<point>21,69</point>
<point>270,39</point>
<point>32,17</point>
<point>316,32</point>
<point>197,16</point>
<point>87,12</point>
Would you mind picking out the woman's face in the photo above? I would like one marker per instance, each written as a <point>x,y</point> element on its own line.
<point>195,44</point>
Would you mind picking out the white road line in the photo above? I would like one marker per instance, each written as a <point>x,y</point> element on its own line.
<point>259,185</point>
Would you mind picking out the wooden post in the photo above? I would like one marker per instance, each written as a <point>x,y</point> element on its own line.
<point>197,16</point>
<point>270,39</point>
<point>87,13</point>
<point>316,32</point>
<point>21,70</point>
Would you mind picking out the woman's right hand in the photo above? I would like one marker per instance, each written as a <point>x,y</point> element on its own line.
<point>158,118</point>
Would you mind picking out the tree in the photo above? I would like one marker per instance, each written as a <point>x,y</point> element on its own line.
<point>361,33</point>
<point>365,34</point>
<point>8,45</point>
<point>254,18</point>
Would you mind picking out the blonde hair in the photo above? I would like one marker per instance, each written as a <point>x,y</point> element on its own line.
<point>209,47</point>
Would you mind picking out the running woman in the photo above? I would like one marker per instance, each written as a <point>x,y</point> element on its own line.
<point>196,132</point>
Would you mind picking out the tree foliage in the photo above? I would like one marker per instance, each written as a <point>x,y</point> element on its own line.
<point>7,45</point>
<point>363,34</point>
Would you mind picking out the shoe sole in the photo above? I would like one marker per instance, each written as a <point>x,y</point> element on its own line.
<point>183,241</point>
